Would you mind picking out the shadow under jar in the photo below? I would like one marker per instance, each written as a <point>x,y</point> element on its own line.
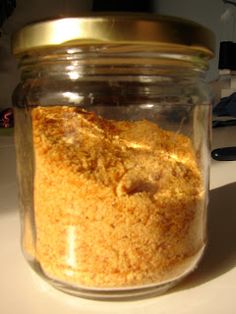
<point>112,139</point>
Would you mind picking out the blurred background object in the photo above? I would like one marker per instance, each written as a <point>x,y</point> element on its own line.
<point>225,84</point>
<point>6,118</point>
<point>124,6</point>
<point>6,8</point>
<point>224,102</point>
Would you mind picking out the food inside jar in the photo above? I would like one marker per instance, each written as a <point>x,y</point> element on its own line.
<point>117,203</point>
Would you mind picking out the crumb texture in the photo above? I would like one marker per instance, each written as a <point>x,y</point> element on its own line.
<point>116,203</point>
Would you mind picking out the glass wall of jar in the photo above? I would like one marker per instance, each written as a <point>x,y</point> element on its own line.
<point>112,142</point>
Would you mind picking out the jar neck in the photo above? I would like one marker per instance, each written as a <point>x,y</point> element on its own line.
<point>77,63</point>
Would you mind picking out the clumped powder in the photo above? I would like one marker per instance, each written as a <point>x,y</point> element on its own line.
<point>116,203</point>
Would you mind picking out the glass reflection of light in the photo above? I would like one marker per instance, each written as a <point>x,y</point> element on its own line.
<point>74,75</point>
<point>147,106</point>
<point>71,247</point>
<point>72,96</point>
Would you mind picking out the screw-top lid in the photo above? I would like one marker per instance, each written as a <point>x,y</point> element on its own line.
<point>149,30</point>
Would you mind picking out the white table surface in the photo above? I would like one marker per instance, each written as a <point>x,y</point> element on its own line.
<point>211,289</point>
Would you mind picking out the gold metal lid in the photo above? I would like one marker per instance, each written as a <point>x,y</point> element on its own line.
<point>149,30</point>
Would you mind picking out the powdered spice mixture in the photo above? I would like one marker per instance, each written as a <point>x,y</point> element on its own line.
<point>117,203</point>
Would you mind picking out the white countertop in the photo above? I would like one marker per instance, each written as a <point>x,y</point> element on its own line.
<point>211,289</point>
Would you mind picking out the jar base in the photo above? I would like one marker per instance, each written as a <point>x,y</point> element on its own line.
<point>122,294</point>
<point>129,294</point>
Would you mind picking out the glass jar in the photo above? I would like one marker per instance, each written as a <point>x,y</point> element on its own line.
<point>112,139</point>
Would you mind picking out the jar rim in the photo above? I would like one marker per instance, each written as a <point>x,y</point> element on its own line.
<point>152,31</point>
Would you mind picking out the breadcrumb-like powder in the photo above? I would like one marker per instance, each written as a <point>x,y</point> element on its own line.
<point>117,203</point>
